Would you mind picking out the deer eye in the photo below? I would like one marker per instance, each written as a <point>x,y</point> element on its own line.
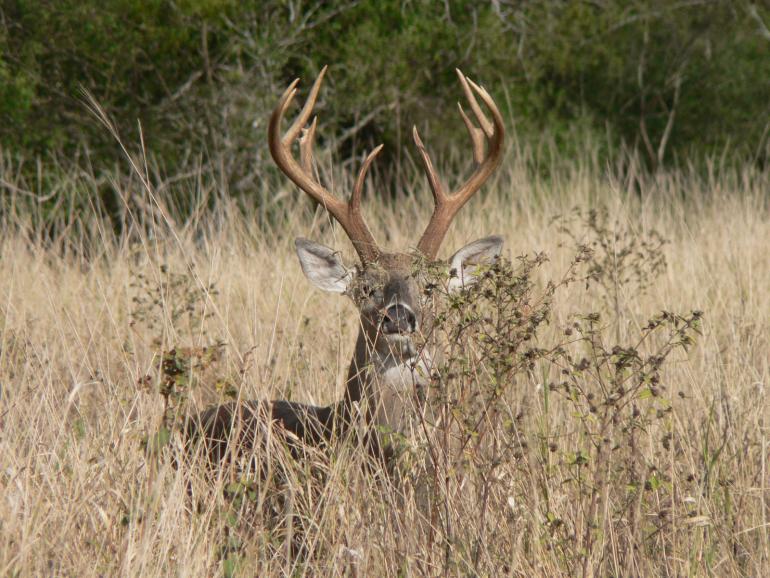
<point>366,289</point>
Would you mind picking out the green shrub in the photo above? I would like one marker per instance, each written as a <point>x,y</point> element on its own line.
<point>672,80</point>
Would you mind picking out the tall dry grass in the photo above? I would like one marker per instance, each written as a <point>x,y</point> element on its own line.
<point>86,316</point>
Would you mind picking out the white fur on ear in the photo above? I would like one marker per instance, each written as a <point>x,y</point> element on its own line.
<point>466,264</point>
<point>322,266</point>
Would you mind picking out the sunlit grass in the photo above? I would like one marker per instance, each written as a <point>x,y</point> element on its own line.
<point>86,315</point>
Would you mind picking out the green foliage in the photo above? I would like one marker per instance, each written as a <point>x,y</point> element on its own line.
<point>671,79</point>
<point>503,381</point>
<point>180,372</point>
<point>621,262</point>
<point>169,297</point>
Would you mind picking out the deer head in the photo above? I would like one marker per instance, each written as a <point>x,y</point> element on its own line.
<point>383,285</point>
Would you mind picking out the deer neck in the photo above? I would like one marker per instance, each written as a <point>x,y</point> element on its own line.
<point>384,383</point>
<point>357,380</point>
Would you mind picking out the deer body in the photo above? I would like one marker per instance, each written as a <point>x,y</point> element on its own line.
<point>387,370</point>
<point>380,394</point>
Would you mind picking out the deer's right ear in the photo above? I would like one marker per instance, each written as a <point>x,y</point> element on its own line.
<point>322,266</point>
<point>469,261</point>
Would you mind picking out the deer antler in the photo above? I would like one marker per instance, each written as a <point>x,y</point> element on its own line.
<point>447,206</point>
<point>347,214</point>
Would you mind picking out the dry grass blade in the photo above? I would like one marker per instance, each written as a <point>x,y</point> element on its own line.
<point>613,453</point>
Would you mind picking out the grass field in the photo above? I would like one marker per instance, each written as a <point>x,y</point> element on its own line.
<point>675,482</point>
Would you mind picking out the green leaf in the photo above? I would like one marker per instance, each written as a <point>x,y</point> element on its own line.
<point>155,443</point>
<point>230,565</point>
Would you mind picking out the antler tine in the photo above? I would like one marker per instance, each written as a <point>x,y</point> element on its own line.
<point>346,214</point>
<point>467,83</point>
<point>306,142</point>
<point>447,206</point>
<point>355,199</point>
<point>307,110</point>
<point>433,180</point>
<point>476,134</point>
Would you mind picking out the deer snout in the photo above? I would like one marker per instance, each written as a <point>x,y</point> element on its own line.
<point>399,318</point>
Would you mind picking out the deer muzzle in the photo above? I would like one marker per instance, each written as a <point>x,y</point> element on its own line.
<point>399,319</point>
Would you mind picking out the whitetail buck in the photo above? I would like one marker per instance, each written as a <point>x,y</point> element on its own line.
<point>386,367</point>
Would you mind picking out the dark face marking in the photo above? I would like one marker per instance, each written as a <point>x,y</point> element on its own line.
<point>390,291</point>
<point>388,295</point>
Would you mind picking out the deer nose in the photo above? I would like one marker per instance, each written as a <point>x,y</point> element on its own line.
<point>399,318</point>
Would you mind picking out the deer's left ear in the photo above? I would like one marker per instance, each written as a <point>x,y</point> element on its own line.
<point>322,266</point>
<point>469,261</point>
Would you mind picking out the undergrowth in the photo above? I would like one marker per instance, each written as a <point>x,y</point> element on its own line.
<point>538,434</point>
<point>584,416</point>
